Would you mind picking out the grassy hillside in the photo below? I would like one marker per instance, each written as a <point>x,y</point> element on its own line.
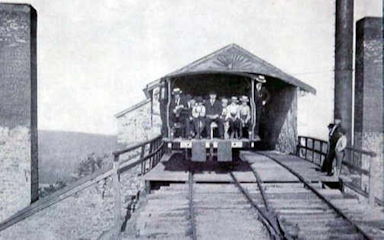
<point>61,152</point>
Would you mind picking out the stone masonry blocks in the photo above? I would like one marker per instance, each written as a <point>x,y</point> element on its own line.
<point>18,108</point>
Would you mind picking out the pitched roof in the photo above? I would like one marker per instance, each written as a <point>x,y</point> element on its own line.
<point>235,59</point>
<point>131,108</point>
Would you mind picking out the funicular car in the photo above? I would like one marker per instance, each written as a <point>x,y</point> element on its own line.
<point>224,84</point>
<point>232,71</point>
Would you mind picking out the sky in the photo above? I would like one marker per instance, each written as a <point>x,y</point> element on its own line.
<point>96,56</point>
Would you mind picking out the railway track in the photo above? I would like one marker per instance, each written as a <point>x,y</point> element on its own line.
<point>192,218</point>
<point>246,210</point>
<point>300,210</point>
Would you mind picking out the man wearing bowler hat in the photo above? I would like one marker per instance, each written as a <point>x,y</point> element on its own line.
<point>213,111</point>
<point>336,133</point>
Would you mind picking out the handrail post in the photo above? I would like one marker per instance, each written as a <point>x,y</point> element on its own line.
<point>298,146</point>
<point>371,181</point>
<point>313,148</point>
<point>141,156</point>
<point>116,187</point>
<point>306,147</point>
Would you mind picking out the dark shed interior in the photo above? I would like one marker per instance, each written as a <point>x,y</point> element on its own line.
<point>278,124</point>
<point>223,85</point>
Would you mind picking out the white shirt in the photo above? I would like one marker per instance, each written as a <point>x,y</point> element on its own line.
<point>198,111</point>
<point>232,109</point>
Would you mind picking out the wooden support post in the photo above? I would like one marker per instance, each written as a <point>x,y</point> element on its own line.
<point>116,188</point>
<point>141,156</point>
<point>313,148</point>
<point>306,147</point>
<point>298,146</point>
<point>371,180</point>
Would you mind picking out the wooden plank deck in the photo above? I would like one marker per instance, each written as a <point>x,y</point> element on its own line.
<point>165,171</point>
<point>270,171</point>
<point>174,168</point>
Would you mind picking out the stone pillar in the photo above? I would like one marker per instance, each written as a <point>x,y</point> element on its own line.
<point>18,108</point>
<point>369,96</point>
<point>343,63</point>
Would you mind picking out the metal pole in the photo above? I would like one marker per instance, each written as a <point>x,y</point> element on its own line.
<point>253,107</point>
<point>168,105</point>
<point>152,108</point>
<point>344,64</point>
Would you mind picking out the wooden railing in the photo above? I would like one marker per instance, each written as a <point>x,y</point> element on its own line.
<point>150,153</point>
<point>312,149</point>
<point>315,150</point>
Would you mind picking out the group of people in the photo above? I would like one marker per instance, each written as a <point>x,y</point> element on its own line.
<point>196,117</point>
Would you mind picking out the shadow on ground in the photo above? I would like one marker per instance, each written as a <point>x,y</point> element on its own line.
<point>177,162</point>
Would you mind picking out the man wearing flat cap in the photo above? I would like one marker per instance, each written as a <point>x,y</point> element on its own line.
<point>336,145</point>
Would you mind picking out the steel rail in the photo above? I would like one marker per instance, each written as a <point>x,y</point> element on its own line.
<point>266,218</point>
<point>262,192</point>
<point>266,204</point>
<point>191,207</point>
<point>318,194</point>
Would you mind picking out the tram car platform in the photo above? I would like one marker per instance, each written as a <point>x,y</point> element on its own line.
<point>182,143</point>
<point>201,150</point>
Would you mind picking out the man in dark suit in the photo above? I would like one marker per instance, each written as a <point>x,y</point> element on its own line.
<point>213,111</point>
<point>176,114</point>
<point>262,97</point>
<point>335,133</point>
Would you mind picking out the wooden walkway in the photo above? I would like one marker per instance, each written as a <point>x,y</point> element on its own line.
<point>300,210</point>
<point>369,219</point>
<point>273,172</point>
<point>174,168</point>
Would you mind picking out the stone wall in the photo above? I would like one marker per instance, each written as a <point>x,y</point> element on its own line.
<point>287,139</point>
<point>368,129</point>
<point>135,125</point>
<point>278,127</point>
<point>86,214</point>
<point>18,108</point>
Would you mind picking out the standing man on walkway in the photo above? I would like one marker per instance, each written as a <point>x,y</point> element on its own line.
<point>262,96</point>
<point>336,133</point>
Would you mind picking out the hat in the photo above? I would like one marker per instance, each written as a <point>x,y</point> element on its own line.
<point>260,78</point>
<point>176,91</point>
<point>224,100</point>
<point>234,99</point>
<point>331,125</point>
<point>199,99</point>
<point>244,99</point>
